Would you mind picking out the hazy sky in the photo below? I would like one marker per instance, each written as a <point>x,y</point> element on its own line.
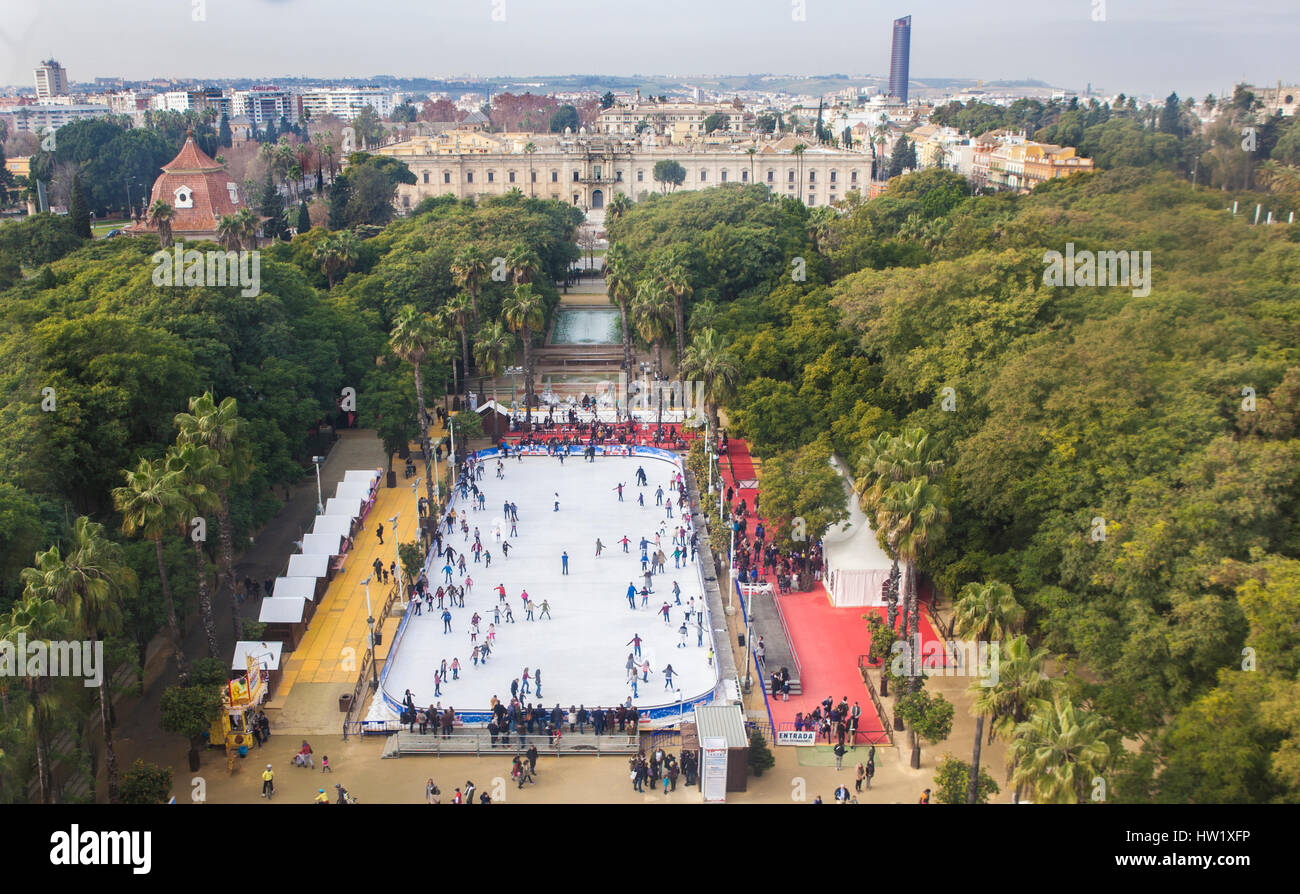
<point>1192,46</point>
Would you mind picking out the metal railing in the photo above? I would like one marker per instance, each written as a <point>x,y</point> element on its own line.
<point>479,742</point>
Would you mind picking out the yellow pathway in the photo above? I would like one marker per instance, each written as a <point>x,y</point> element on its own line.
<point>336,639</point>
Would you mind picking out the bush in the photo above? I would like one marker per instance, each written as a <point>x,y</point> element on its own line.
<point>952,782</point>
<point>760,756</point>
<point>145,784</point>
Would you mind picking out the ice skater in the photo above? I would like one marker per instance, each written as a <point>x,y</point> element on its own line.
<point>599,547</point>
<point>564,562</point>
<point>625,542</point>
<point>645,671</point>
<point>557,498</point>
<point>635,642</point>
<point>631,596</point>
<point>682,633</point>
<point>665,610</point>
<point>619,488</point>
<point>446,621</point>
<point>668,677</point>
<point>546,613</point>
<point>677,593</point>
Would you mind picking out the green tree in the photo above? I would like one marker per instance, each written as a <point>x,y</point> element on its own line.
<point>668,174</point>
<point>566,116</point>
<point>760,756</point>
<point>803,497</point>
<point>78,211</point>
<point>1059,751</point>
<point>160,216</point>
<point>470,270</point>
<point>414,334</point>
<point>199,477</point>
<point>272,209</point>
<point>189,711</point>
<point>619,285</point>
<point>304,218</point>
<point>716,122</point>
<point>709,360</point>
<point>39,619</point>
<point>929,718</point>
<point>218,427</point>
<point>144,783</point>
<point>151,503</point>
<point>952,781</point>
<point>492,345</point>
<point>524,312</point>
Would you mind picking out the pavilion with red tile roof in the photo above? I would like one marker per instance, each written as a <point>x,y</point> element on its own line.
<point>199,191</point>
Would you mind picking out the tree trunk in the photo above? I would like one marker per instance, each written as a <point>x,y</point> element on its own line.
<point>679,322</point>
<point>464,351</point>
<point>528,377</point>
<point>473,305</point>
<point>205,601</point>
<point>42,736</point>
<point>972,789</point>
<point>226,573</point>
<point>424,442</point>
<point>627,339</point>
<point>110,754</point>
<point>916,751</point>
<point>182,667</point>
<point>194,755</point>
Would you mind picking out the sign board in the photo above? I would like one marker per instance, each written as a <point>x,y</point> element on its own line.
<point>796,737</point>
<point>713,770</point>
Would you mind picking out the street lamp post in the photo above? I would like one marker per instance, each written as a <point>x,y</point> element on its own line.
<point>397,561</point>
<point>320,503</point>
<point>370,620</point>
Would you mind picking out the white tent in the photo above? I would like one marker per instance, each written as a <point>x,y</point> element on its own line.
<point>283,610</point>
<point>353,489</point>
<point>322,544</point>
<point>304,587</point>
<point>348,507</point>
<point>308,566</point>
<point>267,655</point>
<point>332,524</point>
<point>365,476</point>
<point>856,566</point>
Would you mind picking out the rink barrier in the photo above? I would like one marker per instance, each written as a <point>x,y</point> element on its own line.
<point>744,613</point>
<point>670,711</point>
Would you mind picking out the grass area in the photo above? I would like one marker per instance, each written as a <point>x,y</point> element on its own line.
<point>99,228</point>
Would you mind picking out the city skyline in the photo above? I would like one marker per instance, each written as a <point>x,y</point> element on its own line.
<point>1142,46</point>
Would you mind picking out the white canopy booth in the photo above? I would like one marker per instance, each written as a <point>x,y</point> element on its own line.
<point>347,507</point>
<point>305,587</point>
<point>332,524</point>
<point>308,566</point>
<point>286,619</point>
<point>365,476</point>
<point>856,565</point>
<point>322,544</point>
<point>357,489</point>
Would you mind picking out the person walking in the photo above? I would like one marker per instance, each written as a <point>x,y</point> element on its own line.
<point>839,755</point>
<point>379,532</point>
<point>268,782</point>
<point>859,775</point>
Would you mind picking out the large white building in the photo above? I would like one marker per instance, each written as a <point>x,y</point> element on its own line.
<point>40,117</point>
<point>51,80</point>
<point>678,120</point>
<point>265,105</point>
<point>589,172</point>
<point>346,102</point>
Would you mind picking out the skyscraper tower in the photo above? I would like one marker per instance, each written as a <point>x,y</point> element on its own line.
<point>51,80</point>
<point>898,58</point>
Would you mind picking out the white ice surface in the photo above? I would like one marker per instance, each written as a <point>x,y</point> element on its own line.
<point>582,650</point>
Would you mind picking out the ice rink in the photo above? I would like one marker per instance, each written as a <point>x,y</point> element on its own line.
<point>582,649</point>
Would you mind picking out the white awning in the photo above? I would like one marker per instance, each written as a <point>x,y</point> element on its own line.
<point>332,524</point>
<point>365,476</point>
<point>348,507</point>
<point>356,489</point>
<point>304,587</point>
<point>322,544</point>
<point>283,610</point>
<point>308,566</point>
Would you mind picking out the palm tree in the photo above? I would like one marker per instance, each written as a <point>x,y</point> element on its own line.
<point>492,345</point>
<point>337,251</point>
<point>90,583</point>
<point>987,611</point>
<point>913,514</point>
<point>160,215</point>
<point>1059,751</point>
<point>414,335</point>
<point>879,137</point>
<point>150,504</point>
<point>198,476</point>
<point>523,264</point>
<point>228,232</point>
<point>1021,681</point>
<point>219,427</point>
<point>38,618</point>
<point>618,285</point>
<point>455,315</point>
<point>652,311</point>
<point>249,224</point>
<point>469,268</point>
<point>708,359</point>
<point>525,312</point>
<point>752,151</point>
<point>678,285</point>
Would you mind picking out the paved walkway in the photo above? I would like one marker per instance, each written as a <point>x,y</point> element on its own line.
<point>327,661</point>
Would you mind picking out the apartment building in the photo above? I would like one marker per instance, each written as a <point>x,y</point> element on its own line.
<point>346,102</point>
<point>51,80</point>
